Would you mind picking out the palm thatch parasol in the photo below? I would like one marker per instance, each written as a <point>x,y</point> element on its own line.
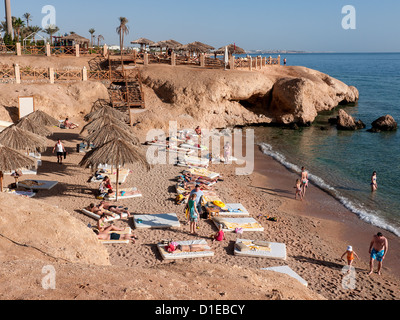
<point>103,110</point>
<point>232,49</point>
<point>100,122</point>
<point>196,47</point>
<point>28,125</point>
<point>143,41</point>
<point>117,153</point>
<point>11,159</point>
<point>18,139</point>
<point>110,132</point>
<point>42,118</point>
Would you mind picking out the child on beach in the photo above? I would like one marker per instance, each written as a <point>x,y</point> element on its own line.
<point>350,255</point>
<point>298,190</point>
<point>220,235</point>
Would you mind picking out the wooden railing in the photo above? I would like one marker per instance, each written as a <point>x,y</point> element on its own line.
<point>7,49</point>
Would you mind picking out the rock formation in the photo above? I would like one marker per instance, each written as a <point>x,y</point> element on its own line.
<point>384,123</point>
<point>346,122</point>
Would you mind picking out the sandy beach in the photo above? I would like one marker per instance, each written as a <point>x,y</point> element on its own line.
<point>315,231</point>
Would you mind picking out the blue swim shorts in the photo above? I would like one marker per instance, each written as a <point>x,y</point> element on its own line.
<point>378,256</point>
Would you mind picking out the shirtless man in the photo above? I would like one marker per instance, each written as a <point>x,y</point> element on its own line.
<point>378,249</point>
<point>304,180</point>
<point>113,208</point>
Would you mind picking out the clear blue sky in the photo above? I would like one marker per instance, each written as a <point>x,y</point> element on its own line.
<point>309,25</point>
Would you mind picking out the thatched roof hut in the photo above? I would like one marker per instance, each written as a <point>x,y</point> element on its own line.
<point>31,126</point>
<point>232,49</point>
<point>99,122</point>
<point>11,159</point>
<point>111,132</point>
<point>18,139</point>
<point>75,39</point>
<point>104,110</point>
<point>117,153</point>
<point>143,41</point>
<point>196,47</point>
<point>42,118</point>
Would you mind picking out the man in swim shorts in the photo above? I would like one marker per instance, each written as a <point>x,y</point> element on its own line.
<point>378,249</point>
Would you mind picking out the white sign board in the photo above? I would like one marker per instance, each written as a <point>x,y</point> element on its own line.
<point>26,105</point>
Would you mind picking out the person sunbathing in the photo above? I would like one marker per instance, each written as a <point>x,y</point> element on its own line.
<point>106,235</point>
<point>69,125</point>
<point>113,208</point>
<point>101,225</point>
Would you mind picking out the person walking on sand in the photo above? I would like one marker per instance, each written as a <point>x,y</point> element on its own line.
<point>59,148</point>
<point>304,180</point>
<point>298,190</point>
<point>193,214</point>
<point>350,256</point>
<point>378,249</point>
<point>374,184</point>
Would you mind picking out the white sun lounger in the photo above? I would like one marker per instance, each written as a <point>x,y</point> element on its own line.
<point>275,251</point>
<point>287,270</point>
<point>185,255</point>
<point>38,184</point>
<point>154,221</point>
<point>29,194</point>
<point>126,231</point>
<point>129,193</point>
<point>230,224</point>
<point>108,218</point>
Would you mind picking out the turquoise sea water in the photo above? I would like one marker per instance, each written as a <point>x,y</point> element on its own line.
<point>342,162</point>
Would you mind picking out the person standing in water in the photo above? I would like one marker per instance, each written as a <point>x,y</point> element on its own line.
<point>374,184</point>
<point>304,180</point>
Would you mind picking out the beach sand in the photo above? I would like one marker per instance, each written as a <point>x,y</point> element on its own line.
<point>315,231</point>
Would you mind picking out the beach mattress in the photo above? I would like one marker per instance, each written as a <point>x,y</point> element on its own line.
<point>37,184</point>
<point>230,224</point>
<point>234,209</point>
<point>128,194</point>
<point>186,255</point>
<point>154,221</point>
<point>190,146</point>
<point>108,218</point>
<point>287,270</point>
<point>126,231</point>
<point>203,173</point>
<point>275,250</point>
<point>28,193</point>
<point>123,174</point>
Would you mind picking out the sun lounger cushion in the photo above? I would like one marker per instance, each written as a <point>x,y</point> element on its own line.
<point>108,218</point>
<point>37,184</point>
<point>275,250</point>
<point>150,221</point>
<point>198,251</point>
<point>128,193</point>
<point>231,224</point>
<point>126,231</point>
<point>234,209</point>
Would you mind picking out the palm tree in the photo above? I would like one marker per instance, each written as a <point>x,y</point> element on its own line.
<point>34,30</point>
<point>50,30</point>
<point>9,19</point>
<point>28,18</point>
<point>91,31</point>
<point>122,30</point>
<point>99,38</point>
<point>18,25</point>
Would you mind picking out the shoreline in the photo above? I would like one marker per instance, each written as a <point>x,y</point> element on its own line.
<point>346,226</point>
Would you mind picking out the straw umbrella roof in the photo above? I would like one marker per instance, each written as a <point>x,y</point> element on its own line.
<point>18,139</point>
<point>196,46</point>
<point>98,123</point>
<point>11,159</point>
<point>104,110</point>
<point>42,118</point>
<point>173,44</point>
<point>28,125</point>
<point>76,38</point>
<point>232,49</point>
<point>142,41</point>
<point>111,132</point>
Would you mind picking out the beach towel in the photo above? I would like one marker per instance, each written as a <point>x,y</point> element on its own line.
<point>154,221</point>
<point>126,193</point>
<point>287,270</point>
<point>186,250</point>
<point>201,172</point>
<point>261,249</point>
<point>231,224</point>
<point>234,209</point>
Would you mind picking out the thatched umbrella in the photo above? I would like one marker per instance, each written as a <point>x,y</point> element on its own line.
<point>100,122</point>
<point>42,118</point>
<point>105,110</point>
<point>11,159</point>
<point>232,49</point>
<point>28,125</point>
<point>111,132</point>
<point>118,153</point>
<point>18,139</point>
<point>143,42</point>
<point>196,47</point>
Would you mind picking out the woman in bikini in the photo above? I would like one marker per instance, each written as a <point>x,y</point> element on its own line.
<point>304,180</point>
<point>374,184</point>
